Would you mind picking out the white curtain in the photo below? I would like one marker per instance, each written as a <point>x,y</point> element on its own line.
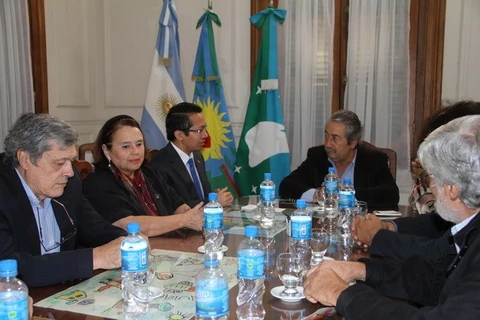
<point>306,72</point>
<point>16,84</point>
<point>378,76</point>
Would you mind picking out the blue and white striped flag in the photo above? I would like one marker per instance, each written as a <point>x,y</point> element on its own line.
<point>165,87</point>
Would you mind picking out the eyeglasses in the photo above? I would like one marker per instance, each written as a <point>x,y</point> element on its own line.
<point>65,238</point>
<point>202,129</point>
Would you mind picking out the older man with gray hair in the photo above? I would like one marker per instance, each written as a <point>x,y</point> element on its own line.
<point>444,287</point>
<point>44,217</point>
<point>342,149</point>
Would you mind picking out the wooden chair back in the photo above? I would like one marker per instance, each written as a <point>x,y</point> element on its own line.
<point>85,148</point>
<point>83,167</point>
<point>391,154</point>
<point>152,152</point>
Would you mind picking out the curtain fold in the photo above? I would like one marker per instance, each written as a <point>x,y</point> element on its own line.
<point>378,76</point>
<point>16,84</point>
<point>306,72</point>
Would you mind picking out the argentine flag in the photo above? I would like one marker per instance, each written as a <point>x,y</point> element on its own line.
<point>165,87</point>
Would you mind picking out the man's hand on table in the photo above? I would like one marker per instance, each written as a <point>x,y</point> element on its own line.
<point>225,197</point>
<point>108,255</point>
<point>365,228</point>
<point>325,282</point>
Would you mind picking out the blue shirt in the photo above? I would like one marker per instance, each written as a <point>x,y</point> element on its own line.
<point>348,173</point>
<point>45,218</point>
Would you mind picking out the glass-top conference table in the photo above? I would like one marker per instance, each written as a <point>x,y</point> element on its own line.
<point>236,220</point>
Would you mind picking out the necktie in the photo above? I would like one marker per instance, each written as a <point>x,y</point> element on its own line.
<point>193,172</point>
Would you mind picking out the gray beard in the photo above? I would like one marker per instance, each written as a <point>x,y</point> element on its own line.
<point>445,210</point>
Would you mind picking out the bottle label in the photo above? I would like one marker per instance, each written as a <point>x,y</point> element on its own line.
<point>14,310</point>
<point>267,193</point>
<point>134,260</point>
<point>211,297</point>
<point>213,219</point>
<point>331,187</point>
<point>251,264</point>
<point>346,199</point>
<point>301,228</point>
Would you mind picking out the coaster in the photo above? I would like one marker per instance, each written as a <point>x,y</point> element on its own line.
<point>201,249</point>
<point>277,290</point>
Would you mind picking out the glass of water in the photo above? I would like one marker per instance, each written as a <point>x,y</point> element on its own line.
<point>290,268</point>
<point>362,208</point>
<point>319,196</point>
<point>319,243</point>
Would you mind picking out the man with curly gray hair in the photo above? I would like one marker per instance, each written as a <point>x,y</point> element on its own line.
<point>44,217</point>
<point>343,150</point>
<point>442,287</point>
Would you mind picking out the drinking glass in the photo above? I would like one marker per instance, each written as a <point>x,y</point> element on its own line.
<point>362,208</point>
<point>290,268</point>
<point>319,243</point>
<point>142,289</point>
<point>320,198</point>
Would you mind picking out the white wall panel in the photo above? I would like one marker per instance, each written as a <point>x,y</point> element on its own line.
<point>69,57</point>
<point>461,66</point>
<point>100,54</point>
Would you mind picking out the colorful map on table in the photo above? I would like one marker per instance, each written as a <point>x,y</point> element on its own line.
<point>175,276</point>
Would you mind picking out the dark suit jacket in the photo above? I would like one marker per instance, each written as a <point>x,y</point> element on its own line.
<point>446,286</point>
<point>20,240</point>
<point>168,163</point>
<point>419,235</point>
<point>114,202</point>
<point>373,181</point>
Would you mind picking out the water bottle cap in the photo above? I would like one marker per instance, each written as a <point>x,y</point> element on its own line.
<point>212,196</point>
<point>267,175</point>
<point>211,263</point>
<point>347,181</point>
<point>8,268</point>
<point>301,204</point>
<point>133,227</point>
<point>251,231</point>
<point>331,170</point>
<point>211,259</point>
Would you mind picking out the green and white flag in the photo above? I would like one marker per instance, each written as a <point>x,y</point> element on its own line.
<point>263,144</point>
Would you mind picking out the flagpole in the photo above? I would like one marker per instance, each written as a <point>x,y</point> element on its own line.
<point>270,5</point>
<point>210,4</point>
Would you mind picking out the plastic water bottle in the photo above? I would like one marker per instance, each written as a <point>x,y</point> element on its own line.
<point>134,250</point>
<point>346,205</point>
<point>331,216</point>
<point>211,290</point>
<point>13,292</point>
<point>267,201</point>
<point>331,183</point>
<point>346,194</point>
<point>251,277</point>
<point>301,229</point>
<point>213,226</point>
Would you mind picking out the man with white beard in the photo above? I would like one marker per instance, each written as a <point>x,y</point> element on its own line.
<point>444,287</point>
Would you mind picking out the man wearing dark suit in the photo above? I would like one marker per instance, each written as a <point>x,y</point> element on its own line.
<point>180,162</point>
<point>368,169</point>
<point>442,287</point>
<point>44,217</point>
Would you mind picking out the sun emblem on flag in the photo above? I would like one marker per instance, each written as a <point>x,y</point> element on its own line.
<point>164,103</point>
<point>217,129</point>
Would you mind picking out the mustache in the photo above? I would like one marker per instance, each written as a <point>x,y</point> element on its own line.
<point>330,150</point>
